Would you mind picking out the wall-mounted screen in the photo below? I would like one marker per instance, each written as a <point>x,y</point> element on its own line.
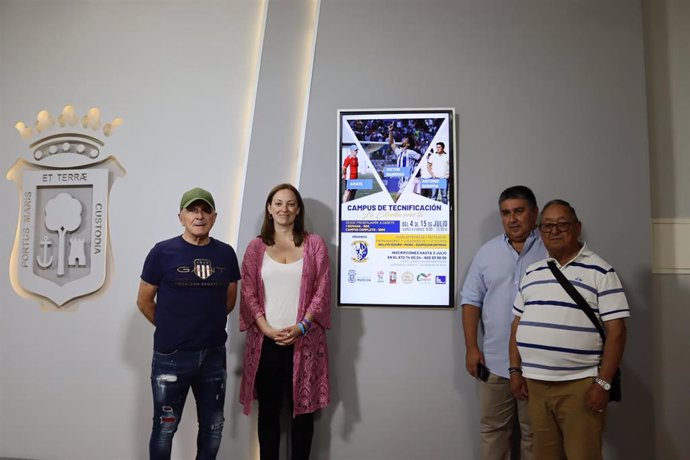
<point>396,208</point>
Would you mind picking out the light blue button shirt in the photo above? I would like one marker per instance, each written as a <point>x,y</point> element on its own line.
<point>492,284</point>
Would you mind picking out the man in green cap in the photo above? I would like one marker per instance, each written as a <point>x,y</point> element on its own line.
<point>188,287</point>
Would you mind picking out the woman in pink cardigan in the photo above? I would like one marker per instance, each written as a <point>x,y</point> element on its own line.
<point>285,309</point>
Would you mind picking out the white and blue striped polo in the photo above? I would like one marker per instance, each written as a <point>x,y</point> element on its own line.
<point>556,339</point>
<point>407,158</point>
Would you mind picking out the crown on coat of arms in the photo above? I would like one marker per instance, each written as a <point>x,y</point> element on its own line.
<point>67,146</point>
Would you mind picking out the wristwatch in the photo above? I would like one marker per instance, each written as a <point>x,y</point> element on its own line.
<point>603,383</point>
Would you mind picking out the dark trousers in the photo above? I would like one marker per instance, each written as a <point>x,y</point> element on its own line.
<point>273,386</point>
<point>172,375</point>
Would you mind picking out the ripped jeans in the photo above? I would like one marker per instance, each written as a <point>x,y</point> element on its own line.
<point>172,375</point>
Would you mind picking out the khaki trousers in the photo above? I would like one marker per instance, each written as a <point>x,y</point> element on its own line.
<point>499,408</point>
<point>563,425</point>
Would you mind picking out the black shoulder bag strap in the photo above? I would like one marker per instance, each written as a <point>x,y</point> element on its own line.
<point>577,297</point>
<point>616,393</point>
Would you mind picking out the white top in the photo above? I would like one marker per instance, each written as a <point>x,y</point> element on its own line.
<point>440,165</point>
<point>281,289</point>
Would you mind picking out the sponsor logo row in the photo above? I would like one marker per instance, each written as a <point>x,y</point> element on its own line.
<point>393,277</point>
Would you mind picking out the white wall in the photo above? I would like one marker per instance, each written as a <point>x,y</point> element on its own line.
<point>75,385</point>
<point>550,94</point>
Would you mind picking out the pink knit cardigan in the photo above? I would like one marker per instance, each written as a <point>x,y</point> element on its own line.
<point>310,388</point>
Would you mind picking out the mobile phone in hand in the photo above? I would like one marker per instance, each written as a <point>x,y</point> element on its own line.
<point>482,372</point>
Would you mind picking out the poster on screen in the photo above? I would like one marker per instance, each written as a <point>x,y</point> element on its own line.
<point>396,213</point>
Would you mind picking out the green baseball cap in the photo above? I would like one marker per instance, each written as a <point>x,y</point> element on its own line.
<point>196,194</point>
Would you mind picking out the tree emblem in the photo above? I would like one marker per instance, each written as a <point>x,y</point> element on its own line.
<point>63,214</point>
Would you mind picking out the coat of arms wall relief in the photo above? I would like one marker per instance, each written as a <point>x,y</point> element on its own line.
<point>64,181</point>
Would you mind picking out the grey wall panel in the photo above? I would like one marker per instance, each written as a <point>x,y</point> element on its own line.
<point>668,68</point>
<point>547,94</point>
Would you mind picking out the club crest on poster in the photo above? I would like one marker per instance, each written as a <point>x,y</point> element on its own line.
<point>360,250</point>
<point>64,180</point>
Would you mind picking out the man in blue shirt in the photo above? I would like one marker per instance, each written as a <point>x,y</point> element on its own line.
<point>188,287</point>
<point>487,299</point>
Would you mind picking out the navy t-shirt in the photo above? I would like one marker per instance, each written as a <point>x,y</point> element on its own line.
<point>192,291</point>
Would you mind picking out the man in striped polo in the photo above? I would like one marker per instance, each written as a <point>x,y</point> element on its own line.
<point>557,359</point>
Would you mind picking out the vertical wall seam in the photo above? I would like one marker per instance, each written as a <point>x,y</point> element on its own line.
<point>249,125</point>
<point>307,93</point>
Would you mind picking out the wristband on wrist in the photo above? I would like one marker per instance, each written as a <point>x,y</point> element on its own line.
<point>306,327</point>
<point>512,370</point>
<point>306,322</point>
<point>301,328</point>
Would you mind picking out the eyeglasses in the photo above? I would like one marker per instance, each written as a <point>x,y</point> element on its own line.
<point>561,226</point>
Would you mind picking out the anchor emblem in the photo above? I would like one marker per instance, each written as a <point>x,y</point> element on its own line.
<point>45,262</point>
